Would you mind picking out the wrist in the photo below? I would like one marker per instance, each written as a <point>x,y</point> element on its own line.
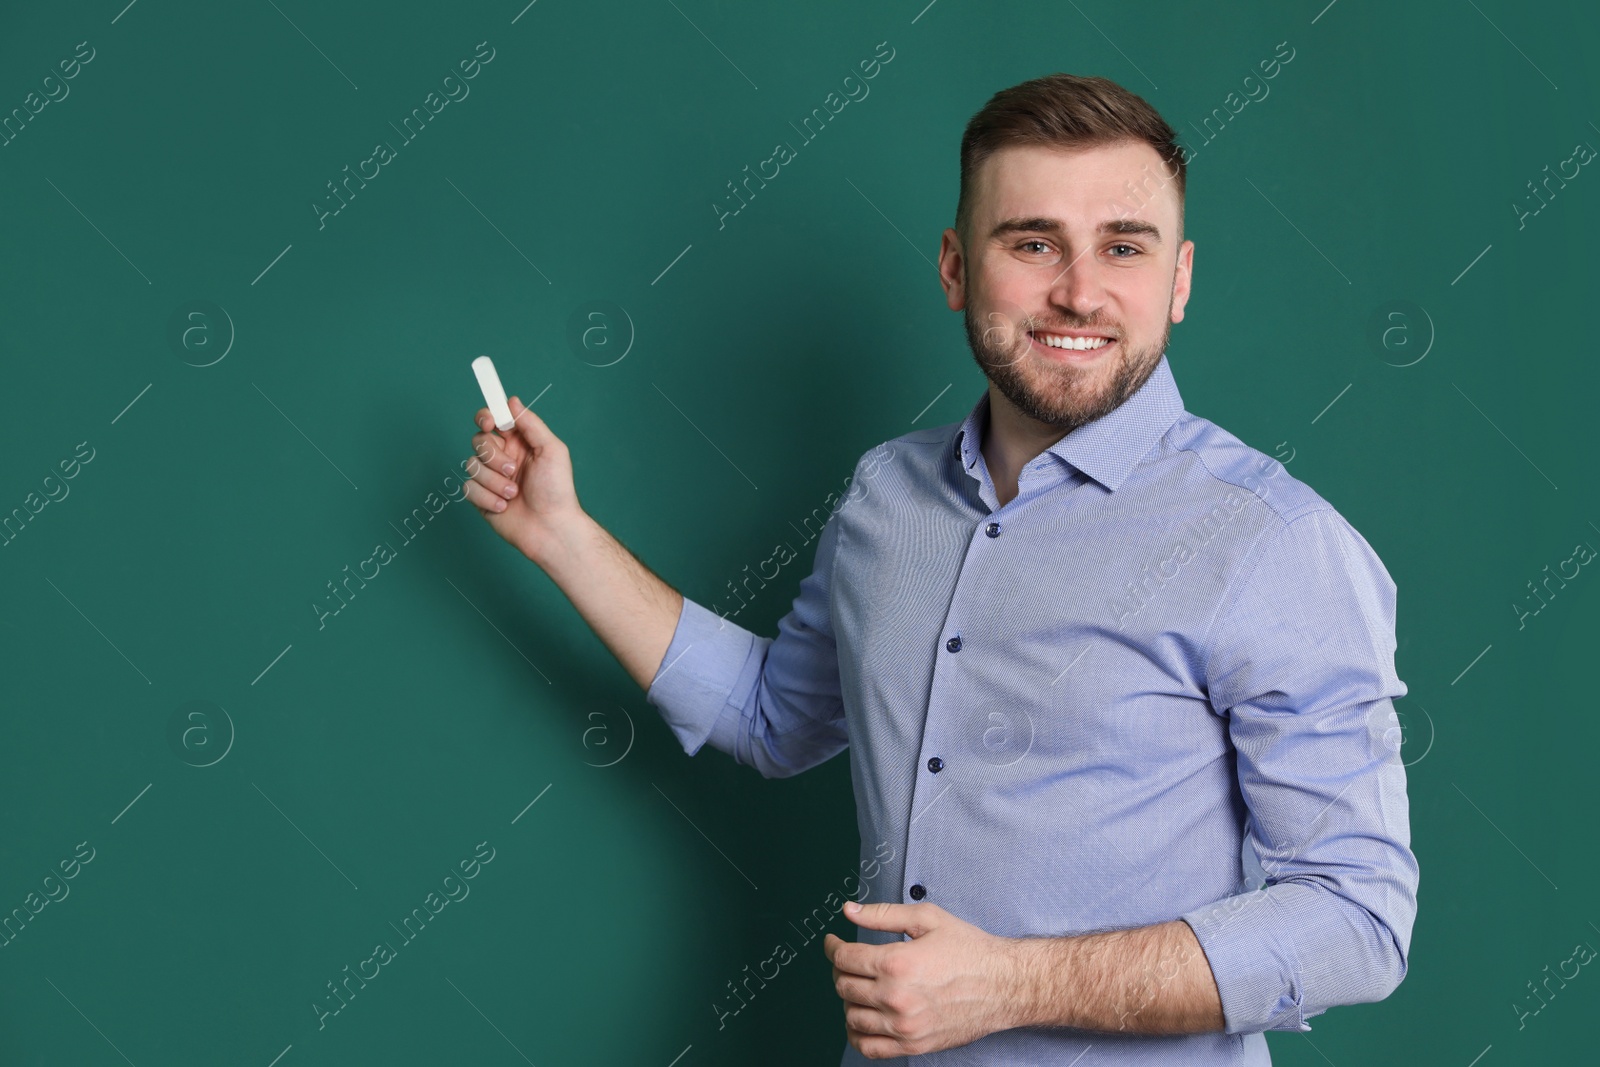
<point>1039,992</point>
<point>555,542</point>
<point>1017,985</point>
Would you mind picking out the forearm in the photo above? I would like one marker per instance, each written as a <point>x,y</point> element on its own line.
<point>1147,980</point>
<point>629,608</point>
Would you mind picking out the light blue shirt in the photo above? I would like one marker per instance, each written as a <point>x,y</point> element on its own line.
<point>1156,684</point>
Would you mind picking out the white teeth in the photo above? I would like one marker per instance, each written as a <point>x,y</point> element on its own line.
<point>1079,344</point>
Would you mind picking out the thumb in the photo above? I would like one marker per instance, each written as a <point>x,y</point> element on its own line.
<point>530,427</point>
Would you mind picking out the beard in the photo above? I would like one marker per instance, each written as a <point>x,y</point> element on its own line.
<point>1058,394</point>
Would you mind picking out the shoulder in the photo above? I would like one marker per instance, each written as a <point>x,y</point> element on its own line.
<point>1302,529</point>
<point>912,451</point>
<point>1222,459</point>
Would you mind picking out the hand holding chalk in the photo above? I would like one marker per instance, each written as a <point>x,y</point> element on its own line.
<point>520,482</point>
<point>494,394</point>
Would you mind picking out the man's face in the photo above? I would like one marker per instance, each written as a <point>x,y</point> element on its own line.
<point>1079,243</point>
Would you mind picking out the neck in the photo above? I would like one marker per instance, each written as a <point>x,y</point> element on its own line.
<point>1011,440</point>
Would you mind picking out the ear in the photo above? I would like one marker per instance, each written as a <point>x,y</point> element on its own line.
<point>1182,275</point>
<point>953,270</point>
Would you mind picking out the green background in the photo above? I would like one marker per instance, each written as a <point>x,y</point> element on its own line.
<point>367,757</point>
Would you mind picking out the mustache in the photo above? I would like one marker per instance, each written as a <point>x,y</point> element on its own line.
<point>1030,323</point>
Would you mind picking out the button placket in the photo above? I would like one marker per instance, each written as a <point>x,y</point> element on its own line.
<point>932,740</point>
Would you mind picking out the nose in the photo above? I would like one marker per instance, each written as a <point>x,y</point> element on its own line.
<point>1078,288</point>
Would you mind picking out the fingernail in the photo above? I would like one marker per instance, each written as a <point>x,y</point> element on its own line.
<point>509,490</point>
<point>499,505</point>
<point>509,470</point>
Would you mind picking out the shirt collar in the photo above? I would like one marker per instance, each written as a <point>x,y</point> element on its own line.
<point>1106,449</point>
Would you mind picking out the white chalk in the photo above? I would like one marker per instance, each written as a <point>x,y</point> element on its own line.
<point>493,392</point>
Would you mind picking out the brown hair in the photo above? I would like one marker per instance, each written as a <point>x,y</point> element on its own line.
<point>1065,111</point>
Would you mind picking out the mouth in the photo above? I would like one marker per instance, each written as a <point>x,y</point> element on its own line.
<point>1074,346</point>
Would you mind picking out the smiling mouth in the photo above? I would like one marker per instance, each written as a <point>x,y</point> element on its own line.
<point>1066,343</point>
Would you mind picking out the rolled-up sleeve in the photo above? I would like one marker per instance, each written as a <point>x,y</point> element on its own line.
<point>1301,663</point>
<point>772,704</point>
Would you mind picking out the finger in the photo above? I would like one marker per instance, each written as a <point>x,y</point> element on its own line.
<point>866,1022</point>
<point>852,957</point>
<point>530,427</point>
<point>508,442</point>
<point>496,484</point>
<point>914,919</point>
<point>854,989</point>
<point>491,452</point>
<point>482,499</point>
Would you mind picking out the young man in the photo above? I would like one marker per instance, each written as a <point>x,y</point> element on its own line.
<point>1117,689</point>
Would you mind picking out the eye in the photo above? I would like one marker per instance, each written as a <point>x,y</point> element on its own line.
<point>1034,241</point>
<point>1135,251</point>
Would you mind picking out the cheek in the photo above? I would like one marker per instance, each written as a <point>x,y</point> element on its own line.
<point>1144,305</point>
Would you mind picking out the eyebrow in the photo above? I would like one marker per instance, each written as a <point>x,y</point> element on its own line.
<point>1040,224</point>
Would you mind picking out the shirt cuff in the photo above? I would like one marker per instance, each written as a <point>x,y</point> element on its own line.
<point>708,660</point>
<point>1249,942</point>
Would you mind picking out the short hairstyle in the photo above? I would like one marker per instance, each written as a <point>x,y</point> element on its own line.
<point>1064,111</point>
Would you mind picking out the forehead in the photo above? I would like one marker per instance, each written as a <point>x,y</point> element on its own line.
<point>1079,186</point>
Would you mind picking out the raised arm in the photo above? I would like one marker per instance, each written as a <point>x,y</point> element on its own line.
<point>522,484</point>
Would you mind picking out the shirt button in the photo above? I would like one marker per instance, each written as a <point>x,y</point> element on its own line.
<point>917,892</point>
<point>954,644</point>
<point>993,529</point>
<point>936,765</point>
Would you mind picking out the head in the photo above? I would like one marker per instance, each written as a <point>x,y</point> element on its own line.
<point>1069,224</point>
